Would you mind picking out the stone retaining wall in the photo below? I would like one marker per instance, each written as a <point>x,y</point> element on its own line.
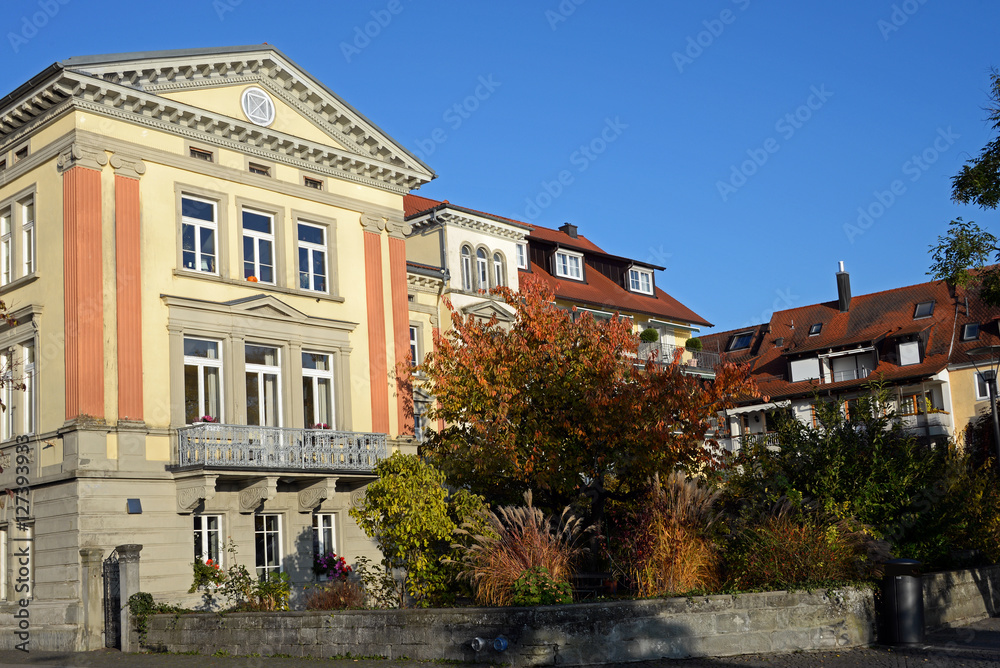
<point>954,598</point>
<point>579,634</point>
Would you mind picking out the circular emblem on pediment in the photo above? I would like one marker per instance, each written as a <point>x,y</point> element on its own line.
<point>258,106</point>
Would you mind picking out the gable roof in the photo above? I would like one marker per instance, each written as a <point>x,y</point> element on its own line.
<point>875,321</point>
<point>599,291</point>
<point>129,85</point>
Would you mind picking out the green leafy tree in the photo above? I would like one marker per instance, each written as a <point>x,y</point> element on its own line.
<point>411,515</point>
<point>862,467</point>
<point>966,246</point>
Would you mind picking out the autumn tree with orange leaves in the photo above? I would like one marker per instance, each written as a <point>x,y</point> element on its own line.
<point>564,408</point>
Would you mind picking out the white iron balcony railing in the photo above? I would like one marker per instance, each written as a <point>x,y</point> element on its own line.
<point>249,446</point>
<point>664,352</point>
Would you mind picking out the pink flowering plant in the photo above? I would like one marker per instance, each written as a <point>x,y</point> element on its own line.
<point>207,418</point>
<point>332,565</point>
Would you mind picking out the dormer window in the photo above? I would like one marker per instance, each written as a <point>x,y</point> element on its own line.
<point>740,341</point>
<point>640,280</point>
<point>569,265</point>
<point>909,353</point>
<point>522,255</point>
<point>816,329</point>
<point>970,332</point>
<point>923,310</point>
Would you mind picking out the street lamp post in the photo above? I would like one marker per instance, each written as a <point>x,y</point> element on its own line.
<point>989,376</point>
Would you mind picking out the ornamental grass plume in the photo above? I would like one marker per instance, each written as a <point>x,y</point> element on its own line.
<point>669,552</point>
<point>517,539</point>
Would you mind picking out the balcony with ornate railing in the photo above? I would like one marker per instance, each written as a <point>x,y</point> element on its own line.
<point>260,448</point>
<point>664,353</point>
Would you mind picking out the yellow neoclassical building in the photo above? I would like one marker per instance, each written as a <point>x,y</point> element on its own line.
<point>204,254</point>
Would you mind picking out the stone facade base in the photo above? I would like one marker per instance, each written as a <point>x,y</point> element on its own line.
<point>956,598</point>
<point>580,634</point>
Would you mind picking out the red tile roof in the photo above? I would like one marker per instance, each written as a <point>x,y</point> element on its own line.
<point>878,320</point>
<point>599,292</point>
<point>414,204</point>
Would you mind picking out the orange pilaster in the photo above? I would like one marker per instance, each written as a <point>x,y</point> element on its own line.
<point>400,326</point>
<point>129,292</point>
<point>377,364</point>
<point>82,289</point>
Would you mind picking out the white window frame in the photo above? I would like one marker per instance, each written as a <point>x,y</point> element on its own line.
<point>6,246</point>
<point>466,254</point>
<point>636,282</point>
<point>276,535</point>
<point>482,269</point>
<point>985,394</point>
<point>324,522</point>
<point>197,224</point>
<point>965,331</point>
<point>259,238</point>
<point>414,345</point>
<point>28,235</point>
<point>314,376</point>
<point>312,248</point>
<point>202,538</point>
<point>3,563</point>
<point>499,275</point>
<point>522,255</point>
<point>564,261</point>
<point>201,363</point>
<point>261,370</point>
<point>30,393</point>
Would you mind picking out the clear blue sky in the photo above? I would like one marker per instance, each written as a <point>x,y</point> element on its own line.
<point>831,102</point>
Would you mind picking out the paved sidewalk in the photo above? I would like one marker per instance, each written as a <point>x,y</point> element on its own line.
<point>974,646</point>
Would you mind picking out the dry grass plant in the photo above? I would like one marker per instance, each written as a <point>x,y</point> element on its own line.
<point>675,555</point>
<point>336,595</point>
<point>519,538</point>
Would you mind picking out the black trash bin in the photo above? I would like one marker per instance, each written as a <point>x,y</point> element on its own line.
<point>902,603</point>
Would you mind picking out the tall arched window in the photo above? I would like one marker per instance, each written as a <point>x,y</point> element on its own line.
<point>498,270</point>
<point>482,273</point>
<point>466,268</point>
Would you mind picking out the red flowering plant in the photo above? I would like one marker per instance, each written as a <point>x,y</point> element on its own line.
<point>321,425</point>
<point>331,565</point>
<point>207,418</point>
<point>208,575</point>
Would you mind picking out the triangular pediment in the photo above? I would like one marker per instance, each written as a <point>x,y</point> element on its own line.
<point>486,310</point>
<point>202,90</point>
<point>267,305</point>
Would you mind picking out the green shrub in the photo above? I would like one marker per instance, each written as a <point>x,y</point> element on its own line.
<point>649,335</point>
<point>536,587</point>
<point>864,467</point>
<point>693,343</point>
<point>412,516</point>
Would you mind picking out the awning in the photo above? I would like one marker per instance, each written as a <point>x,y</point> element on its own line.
<point>760,407</point>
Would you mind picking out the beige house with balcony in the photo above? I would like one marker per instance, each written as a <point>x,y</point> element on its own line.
<point>204,254</point>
